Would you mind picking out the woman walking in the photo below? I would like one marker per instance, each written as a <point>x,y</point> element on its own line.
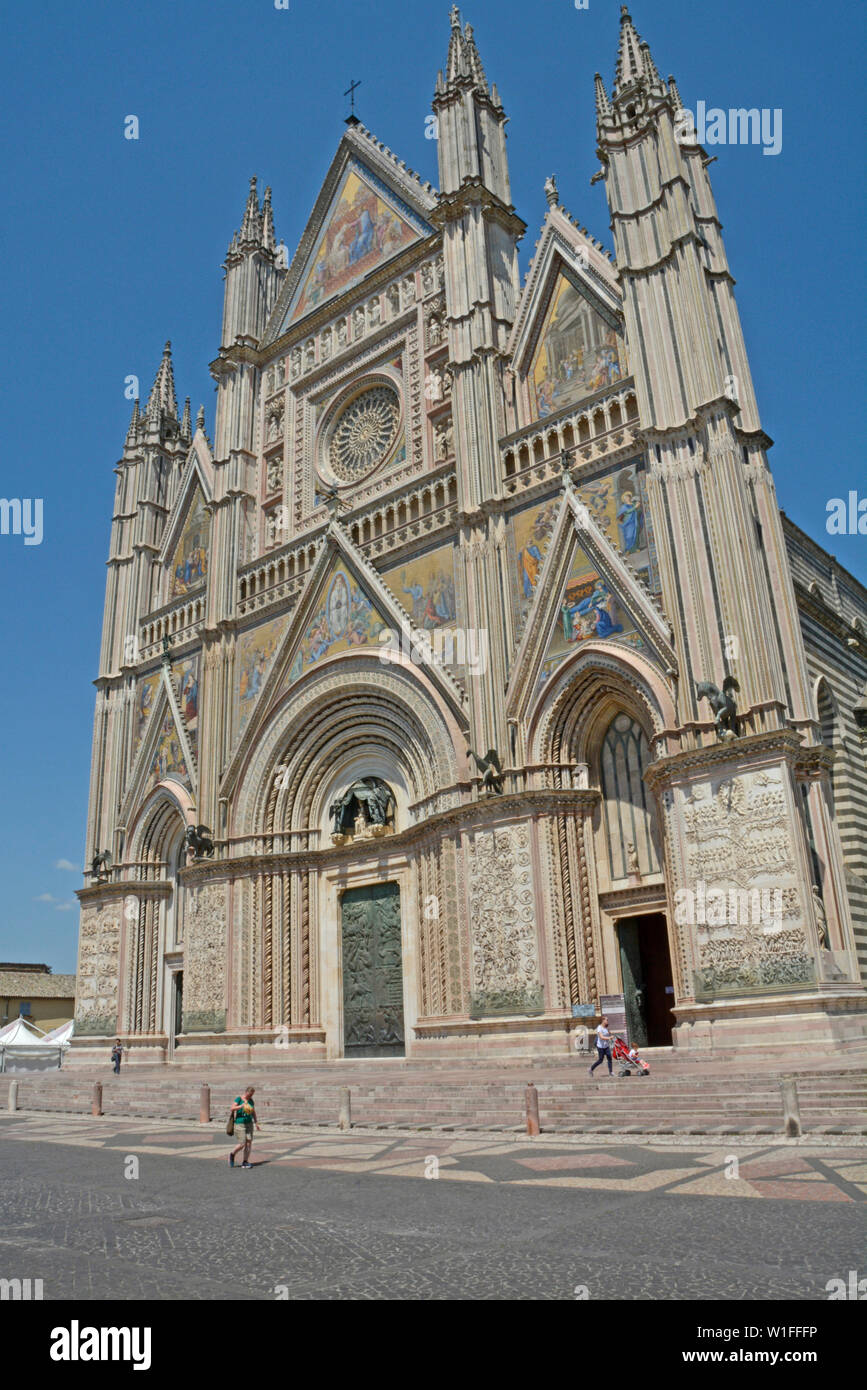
<point>244,1114</point>
<point>603,1047</point>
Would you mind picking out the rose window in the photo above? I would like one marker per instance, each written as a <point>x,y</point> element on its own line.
<point>364,433</point>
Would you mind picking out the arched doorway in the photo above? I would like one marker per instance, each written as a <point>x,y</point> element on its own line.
<point>645,968</point>
<point>633,851</point>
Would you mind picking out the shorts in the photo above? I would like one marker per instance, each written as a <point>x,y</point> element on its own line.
<point>244,1134</point>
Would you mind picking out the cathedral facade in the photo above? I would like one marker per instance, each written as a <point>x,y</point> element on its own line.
<point>469,682</point>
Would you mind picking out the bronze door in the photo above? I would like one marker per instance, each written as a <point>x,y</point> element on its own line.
<point>372,972</point>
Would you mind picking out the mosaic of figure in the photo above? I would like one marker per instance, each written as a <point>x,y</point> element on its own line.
<point>362,230</point>
<point>426,588</point>
<point>345,619</point>
<point>190,563</point>
<point>578,354</point>
<point>256,650</point>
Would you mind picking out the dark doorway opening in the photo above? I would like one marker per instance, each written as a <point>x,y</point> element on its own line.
<point>372,972</point>
<point>645,965</point>
<point>177,1005</point>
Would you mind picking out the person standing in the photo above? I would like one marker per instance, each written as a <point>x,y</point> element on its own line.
<point>116,1056</point>
<point>244,1112</point>
<point>603,1047</point>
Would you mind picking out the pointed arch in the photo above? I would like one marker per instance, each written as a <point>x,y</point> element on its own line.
<point>354,710</point>
<point>156,828</point>
<point>571,712</point>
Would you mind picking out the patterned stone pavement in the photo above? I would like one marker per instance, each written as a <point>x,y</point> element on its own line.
<point>322,1217</point>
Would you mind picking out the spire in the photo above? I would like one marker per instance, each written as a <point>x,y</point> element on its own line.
<point>251,227</point>
<point>674,94</point>
<point>649,67</point>
<point>268,238</point>
<point>455,60</point>
<point>629,62</point>
<point>603,105</point>
<point>200,419</point>
<point>463,61</point>
<point>132,432</point>
<point>475,62</point>
<point>162,400</point>
<point>186,429</point>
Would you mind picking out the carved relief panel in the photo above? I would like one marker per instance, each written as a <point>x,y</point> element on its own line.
<point>505,964</point>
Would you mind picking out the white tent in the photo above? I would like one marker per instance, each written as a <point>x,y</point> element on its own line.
<point>61,1034</point>
<point>24,1047</point>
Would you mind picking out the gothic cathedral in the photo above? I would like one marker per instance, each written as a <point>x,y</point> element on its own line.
<point>469,681</point>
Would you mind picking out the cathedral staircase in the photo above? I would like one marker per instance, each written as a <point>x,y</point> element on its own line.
<point>678,1098</point>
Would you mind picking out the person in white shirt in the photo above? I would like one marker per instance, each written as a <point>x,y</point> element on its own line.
<point>603,1047</point>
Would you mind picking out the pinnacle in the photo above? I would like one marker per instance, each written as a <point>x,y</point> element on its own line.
<point>132,432</point>
<point>603,105</point>
<point>162,401</point>
<point>463,60</point>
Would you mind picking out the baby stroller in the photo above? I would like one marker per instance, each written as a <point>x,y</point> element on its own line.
<point>629,1059</point>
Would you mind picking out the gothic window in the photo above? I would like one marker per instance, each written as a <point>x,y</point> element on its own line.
<point>628,806</point>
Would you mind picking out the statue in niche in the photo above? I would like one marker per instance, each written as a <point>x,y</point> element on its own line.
<point>310,355</point>
<point>392,299</point>
<point>365,809</point>
<point>374,311</point>
<point>444,438</point>
<point>295,363</point>
<point>325,345</point>
<point>275,475</point>
<point>821,919</point>
<point>341,333</point>
<point>408,289</point>
<point>428,279</point>
<point>358,323</point>
<point>632,860</point>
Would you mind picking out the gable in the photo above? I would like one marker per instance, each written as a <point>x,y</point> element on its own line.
<point>185,685</point>
<point>343,618</point>
<point>366,224</point>
<point>589,609</point>
<point>617,503</point>
<point>578,352</point>
<point>166,730</point>
<point>189,563</point>
<point>346,606</point>
<point>585,591</point>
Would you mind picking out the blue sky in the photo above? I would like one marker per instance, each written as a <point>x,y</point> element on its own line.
<point>111,246</point>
